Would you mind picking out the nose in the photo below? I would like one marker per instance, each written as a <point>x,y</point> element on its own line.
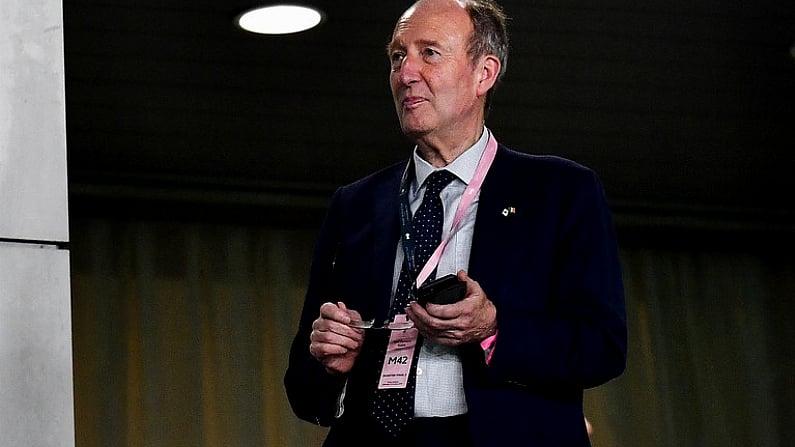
<point>409,70</point>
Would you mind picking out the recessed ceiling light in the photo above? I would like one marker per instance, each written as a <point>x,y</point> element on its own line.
<point>279,19</point>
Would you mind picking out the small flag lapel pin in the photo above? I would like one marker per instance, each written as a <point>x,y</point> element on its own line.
<point>508,211</point>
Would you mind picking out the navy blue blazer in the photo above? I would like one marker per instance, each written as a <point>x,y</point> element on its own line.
<point>551,267</point>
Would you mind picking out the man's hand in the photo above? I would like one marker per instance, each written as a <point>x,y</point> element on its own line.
<point>332,342</point>
<point>470,320</point>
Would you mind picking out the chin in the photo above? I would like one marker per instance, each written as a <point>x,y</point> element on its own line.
<point>413,130</point>
<point>414,134</point>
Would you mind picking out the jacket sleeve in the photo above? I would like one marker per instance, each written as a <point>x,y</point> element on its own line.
<point>311,391</point>
<point>561,317</point>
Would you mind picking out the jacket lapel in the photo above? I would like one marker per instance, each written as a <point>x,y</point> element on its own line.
<point>386,234</point>
<point>494,198</point>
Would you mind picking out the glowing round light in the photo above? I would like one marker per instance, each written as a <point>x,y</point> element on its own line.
<point>279,19</point>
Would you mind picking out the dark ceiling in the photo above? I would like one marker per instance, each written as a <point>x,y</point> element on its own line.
<point>684,104</point>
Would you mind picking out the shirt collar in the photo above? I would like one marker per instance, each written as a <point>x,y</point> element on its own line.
<point>463,166</point>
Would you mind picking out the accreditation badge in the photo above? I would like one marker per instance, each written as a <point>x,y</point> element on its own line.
<point>399,355</point>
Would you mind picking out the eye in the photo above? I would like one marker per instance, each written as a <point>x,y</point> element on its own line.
<point>430,52</point>
<point>396,57</point>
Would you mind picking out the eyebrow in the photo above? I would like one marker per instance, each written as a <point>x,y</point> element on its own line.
<point>394,45</point>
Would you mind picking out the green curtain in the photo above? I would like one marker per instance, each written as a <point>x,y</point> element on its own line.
<point>181,332</point>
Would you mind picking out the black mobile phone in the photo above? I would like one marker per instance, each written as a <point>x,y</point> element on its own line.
<point>445,290</point>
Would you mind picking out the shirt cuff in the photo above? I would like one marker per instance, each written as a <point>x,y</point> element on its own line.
<point>341,401</point>
<point>488,346</point>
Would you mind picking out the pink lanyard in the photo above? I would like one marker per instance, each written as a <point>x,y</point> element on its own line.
<point>467,198</point>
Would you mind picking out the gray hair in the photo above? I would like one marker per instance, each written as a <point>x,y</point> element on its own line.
<point>490,35</point>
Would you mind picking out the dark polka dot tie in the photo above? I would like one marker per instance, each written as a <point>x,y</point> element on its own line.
<point>394,408</point>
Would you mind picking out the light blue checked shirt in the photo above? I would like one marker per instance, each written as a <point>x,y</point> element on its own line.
<point>440,390</point>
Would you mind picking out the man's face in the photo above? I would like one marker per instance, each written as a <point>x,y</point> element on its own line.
<point>433,81</point>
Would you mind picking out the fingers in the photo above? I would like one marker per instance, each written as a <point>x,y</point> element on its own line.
<point>458,323</point>
<point>336,318</point>
<point>335,312</point>
<point>435,327</point>
<point>331,336</point>
<point>339,337</point>
<point>325,343</point>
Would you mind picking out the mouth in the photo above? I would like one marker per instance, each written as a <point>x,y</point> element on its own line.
<point>412,102</point>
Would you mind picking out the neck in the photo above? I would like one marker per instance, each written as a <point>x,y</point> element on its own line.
<point>440,152</point>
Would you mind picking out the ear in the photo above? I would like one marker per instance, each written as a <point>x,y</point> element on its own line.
<point>489,68</point>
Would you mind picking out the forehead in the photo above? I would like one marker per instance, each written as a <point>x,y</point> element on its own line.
<point>433,20</point>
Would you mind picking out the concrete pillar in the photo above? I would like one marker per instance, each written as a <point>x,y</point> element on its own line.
<point>36,391</point>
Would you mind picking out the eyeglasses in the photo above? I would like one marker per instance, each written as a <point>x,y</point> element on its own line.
<point>386,324</point>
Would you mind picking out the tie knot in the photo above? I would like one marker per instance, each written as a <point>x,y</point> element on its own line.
<point>436,182</point>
